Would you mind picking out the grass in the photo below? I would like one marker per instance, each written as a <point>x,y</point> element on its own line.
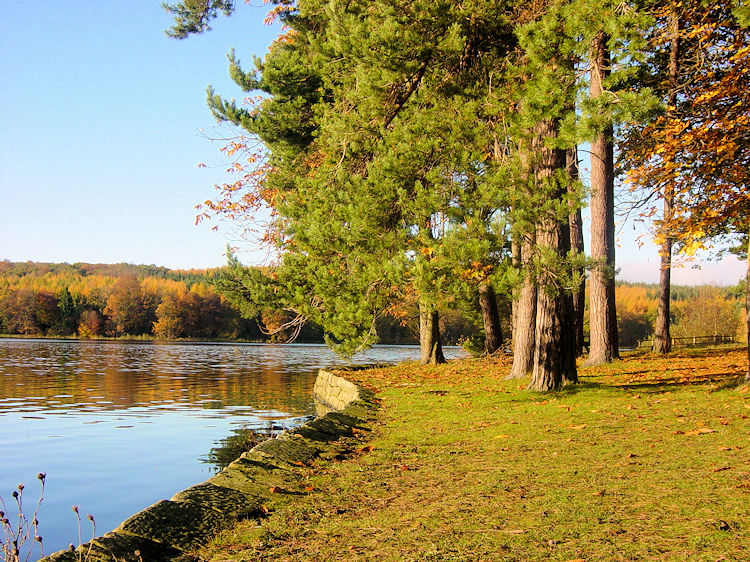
<point>647,459</point>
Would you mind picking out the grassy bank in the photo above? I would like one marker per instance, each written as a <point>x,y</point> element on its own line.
<point>647,458</point>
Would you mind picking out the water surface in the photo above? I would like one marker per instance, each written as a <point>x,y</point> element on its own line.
<point>117,426</point>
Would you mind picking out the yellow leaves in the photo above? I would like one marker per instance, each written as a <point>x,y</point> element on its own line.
<point>695,244</point>
<point>577,427</point>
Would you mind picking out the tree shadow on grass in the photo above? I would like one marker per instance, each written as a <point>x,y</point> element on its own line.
<point>657,385</point>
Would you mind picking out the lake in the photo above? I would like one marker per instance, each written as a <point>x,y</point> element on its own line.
<point>117,426</point>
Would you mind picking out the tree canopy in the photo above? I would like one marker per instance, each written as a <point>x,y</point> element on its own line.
<point>405,147</point>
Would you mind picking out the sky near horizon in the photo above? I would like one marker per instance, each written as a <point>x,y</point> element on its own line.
<point>104,123</point>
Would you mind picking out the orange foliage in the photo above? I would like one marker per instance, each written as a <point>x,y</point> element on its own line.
<point>700,147</point>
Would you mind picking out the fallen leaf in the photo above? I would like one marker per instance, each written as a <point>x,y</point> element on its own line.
<point>309,488</point>
<point>582,426</point>
<point>720,468</point>
<point>366,449</point>
<point>503,436</point>
<point>630,456</point>
<point>275,490</point>
<point>700,431</point>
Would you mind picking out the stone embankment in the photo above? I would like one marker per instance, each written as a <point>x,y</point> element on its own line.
<point>171,529</point>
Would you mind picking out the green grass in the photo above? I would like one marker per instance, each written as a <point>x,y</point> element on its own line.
<point>646,459</point>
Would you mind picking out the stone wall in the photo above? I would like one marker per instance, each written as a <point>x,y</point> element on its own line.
<point>268,474</point>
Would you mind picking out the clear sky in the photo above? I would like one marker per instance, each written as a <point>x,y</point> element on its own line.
<point>104,122</point>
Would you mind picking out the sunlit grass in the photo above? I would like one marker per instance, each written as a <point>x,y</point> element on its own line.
<point>647,458</point>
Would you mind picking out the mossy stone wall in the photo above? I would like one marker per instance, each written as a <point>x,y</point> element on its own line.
<point>170,529</point>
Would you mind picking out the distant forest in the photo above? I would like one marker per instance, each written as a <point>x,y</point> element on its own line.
<point>123,300</point>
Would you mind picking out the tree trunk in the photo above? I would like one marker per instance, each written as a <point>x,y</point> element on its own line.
<point>493,331</point>
<point>554,353</point>
<point>524,319</point>
<point>515,251</point>
<point>602,313</point>
<point>662,337</point>
<point>576,245</point>
<point>747,308</point>
<point>429,337</point>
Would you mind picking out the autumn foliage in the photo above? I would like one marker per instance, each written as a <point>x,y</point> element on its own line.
<point>699,147</point>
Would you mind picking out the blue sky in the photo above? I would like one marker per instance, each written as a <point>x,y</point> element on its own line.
<point>102,132</point>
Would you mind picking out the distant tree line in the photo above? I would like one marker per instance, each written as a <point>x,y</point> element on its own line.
<point>101,300</point>
<point>705,310</point>
<point>120,300</point>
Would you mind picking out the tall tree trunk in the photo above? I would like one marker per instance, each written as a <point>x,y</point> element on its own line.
<point>747,307</point>
<point>554,353</point>
<point>576,245</point>
<point>524,318</point>
<point>431,350</point>
<point>602,313</point>
<point>515,251</point>
<point>662,337</point>
<point>493,331</point>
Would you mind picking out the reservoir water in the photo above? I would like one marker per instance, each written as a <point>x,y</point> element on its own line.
<point>117,426</point>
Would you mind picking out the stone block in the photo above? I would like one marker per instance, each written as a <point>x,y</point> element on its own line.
<point>228,501</point>
<point>285,450</point>
<point>183,525</point>
<point>252,476</point>
<point>331,426</point>
<point>123,547</point>
<point>347,420</point>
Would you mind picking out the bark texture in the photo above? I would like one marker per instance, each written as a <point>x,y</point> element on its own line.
<point>662,337</point>
<point>524,319</point>
<point>493,332</point>
<point>747,309</point>
<point>515,251</point>
<point>554,353</point>
<point>602,313</point>
<point>431,350</point>
<point>576,245</point>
